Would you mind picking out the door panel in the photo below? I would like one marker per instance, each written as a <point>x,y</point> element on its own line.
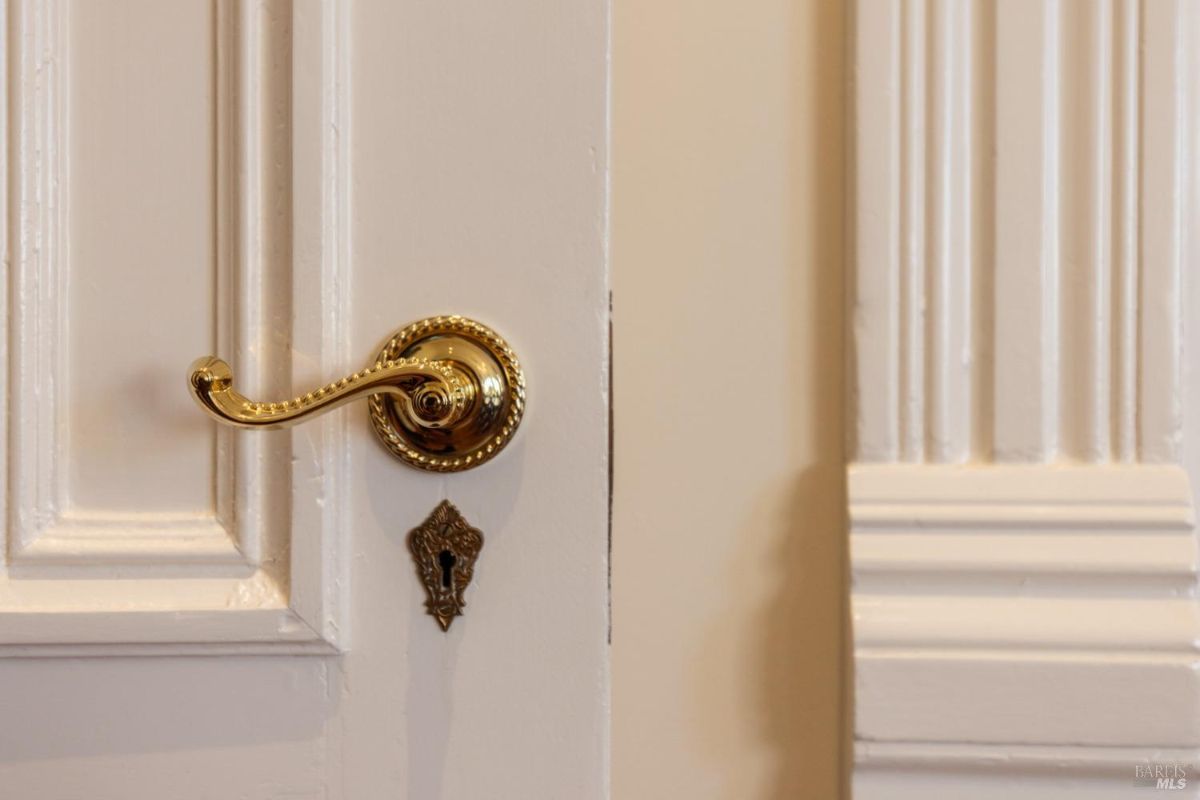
<point>479,189</point>
<point>152,209</point>
<point>129,235</point>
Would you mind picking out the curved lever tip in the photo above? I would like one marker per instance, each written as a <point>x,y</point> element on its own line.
<point>207,376</point>
<point>208,371</point>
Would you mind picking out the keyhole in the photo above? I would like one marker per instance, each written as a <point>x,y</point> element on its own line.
<point>446,559</point>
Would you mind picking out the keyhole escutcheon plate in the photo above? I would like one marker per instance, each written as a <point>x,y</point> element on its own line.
<point>445,547</point>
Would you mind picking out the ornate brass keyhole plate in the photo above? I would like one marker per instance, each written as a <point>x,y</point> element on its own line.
<point>445,547</point>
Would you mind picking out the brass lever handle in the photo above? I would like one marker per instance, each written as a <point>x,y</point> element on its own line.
<point>444,394</point>
<point>435,393</point>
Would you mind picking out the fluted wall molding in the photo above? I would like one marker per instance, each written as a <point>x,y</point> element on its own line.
<point>1024,204</point>
<point>1020,191</point>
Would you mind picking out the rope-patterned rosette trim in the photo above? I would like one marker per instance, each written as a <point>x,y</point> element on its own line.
<point>394,439</point>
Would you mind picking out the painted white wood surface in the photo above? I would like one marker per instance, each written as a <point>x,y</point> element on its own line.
<point>1021,503</point>
<point>287,183</point>
<point>151,191</point>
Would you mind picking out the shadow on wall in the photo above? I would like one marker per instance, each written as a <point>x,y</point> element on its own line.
<point>805,640</point>
<point>804,628</point>
<point>804,645</point>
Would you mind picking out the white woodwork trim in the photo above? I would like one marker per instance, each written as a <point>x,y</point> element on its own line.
<point>36,40</point>
<point>975,588</point>
<point>39,437</point>
<point>946,771</point>
<point>320,256</point>
<point>126,539</point>
<point>250,572</point>
<point>1023,549</point>
<point>967,346</point>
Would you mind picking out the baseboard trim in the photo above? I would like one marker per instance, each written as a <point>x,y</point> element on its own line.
<point>951,771</point>
<point>1025,605</point>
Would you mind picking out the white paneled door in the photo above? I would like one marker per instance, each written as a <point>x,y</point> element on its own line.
<point>190,611</point>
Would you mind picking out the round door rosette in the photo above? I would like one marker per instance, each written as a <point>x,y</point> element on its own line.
<point>493,388</point>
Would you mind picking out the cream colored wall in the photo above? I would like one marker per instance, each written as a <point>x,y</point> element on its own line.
<point>728,147</point>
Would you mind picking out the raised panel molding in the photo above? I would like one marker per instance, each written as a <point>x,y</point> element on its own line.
<point>1023,549</point>
<point>261,569</point>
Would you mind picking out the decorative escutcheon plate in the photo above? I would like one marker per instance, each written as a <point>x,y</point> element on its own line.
<point>445,547</point>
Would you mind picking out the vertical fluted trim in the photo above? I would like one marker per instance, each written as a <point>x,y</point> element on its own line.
<point>913,135</point>
<point>1163,196</point>
<point>1019,242</point>
<point>1126,38</point>
<point>875,302</point>
<point>981,92</point>
<point>950,234</point>
<point>1027,234</point>
<point>1084,175</point>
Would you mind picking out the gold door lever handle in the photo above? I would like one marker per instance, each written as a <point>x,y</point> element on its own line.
<point>435,393</point>
<point>444,394</point>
